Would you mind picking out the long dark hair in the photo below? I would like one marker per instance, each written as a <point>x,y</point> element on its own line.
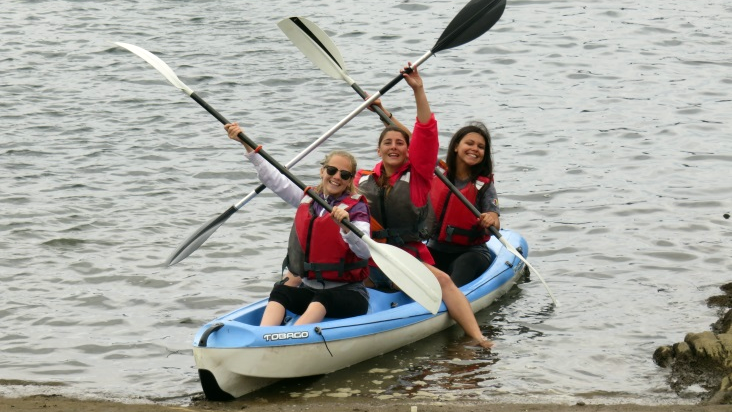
<point>485,167</point>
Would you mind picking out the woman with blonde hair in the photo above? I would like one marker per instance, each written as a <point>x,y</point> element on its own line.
<point>326,262</point>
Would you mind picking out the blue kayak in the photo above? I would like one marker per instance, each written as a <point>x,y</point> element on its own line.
<point>235,356</point>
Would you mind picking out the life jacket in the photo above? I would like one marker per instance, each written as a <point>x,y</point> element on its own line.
<point>455,223</point>
<point>316,249</point>
<point>394,218</point>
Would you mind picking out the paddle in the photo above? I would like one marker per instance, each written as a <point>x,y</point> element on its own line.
<point>476,18</point>
<point>492,229</point>
<point>410,274</point>
<point>320,49</point>
<point>206,230</point>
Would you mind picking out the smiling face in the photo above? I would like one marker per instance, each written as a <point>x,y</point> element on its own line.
<point>393,151</point>
<point>335,185</point>
<point>471,149</point>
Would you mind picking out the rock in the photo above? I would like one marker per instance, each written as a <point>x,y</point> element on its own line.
<point>706,345</point>
<point>725,339</point>
<point>663,356</point>
<point>724,324</point>
<point>682,352</point>
<point>703,359</point>
<point>720,301</point>
<point>723,396</point>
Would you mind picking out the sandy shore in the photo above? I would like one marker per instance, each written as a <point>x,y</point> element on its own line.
<point>58,403</point>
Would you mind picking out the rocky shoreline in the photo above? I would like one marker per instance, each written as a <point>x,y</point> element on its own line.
<point>704,359</point>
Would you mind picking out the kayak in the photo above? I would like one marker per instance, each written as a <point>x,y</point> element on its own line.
<point>235,356</point>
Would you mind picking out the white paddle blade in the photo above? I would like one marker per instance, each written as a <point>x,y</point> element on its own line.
<point>316,46</point>
<point>411,275</point>
<point>158,64</point>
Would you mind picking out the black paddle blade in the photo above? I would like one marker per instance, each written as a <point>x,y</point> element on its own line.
<point>198,237</point>
<point>476,18</point>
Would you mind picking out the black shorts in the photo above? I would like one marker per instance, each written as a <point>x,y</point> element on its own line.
<point>463,267</point>
<point>338,302</point>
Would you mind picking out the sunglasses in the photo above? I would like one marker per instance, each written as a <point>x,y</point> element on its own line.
<point>331,170</point>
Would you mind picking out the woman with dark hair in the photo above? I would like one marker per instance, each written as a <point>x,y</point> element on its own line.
<point>458,239</point>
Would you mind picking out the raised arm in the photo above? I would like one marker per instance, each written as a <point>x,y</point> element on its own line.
<point>424,113</point>
<point>424,144</point>
<point>268,174</point>
<point>414,80</point>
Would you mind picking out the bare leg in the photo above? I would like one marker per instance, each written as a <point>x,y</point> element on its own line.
<point>314,313</point>
<point>273,314</point>
<point>459,308</point>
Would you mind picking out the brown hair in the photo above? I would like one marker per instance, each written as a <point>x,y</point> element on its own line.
<point>388,129</point>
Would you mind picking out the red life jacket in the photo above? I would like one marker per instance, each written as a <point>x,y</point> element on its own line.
<point>318,250</point>
<point>455,223</point>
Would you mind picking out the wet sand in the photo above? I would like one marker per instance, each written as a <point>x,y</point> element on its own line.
<point>58,403</point>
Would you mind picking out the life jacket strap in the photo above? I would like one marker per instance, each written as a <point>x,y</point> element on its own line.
<point>472,234</point>
<point>341,267</point>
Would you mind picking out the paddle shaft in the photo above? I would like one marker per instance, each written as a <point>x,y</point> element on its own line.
<point>282,169</point>
<point>377,109</point>
<point>321,139</point>
<point>477,17</point>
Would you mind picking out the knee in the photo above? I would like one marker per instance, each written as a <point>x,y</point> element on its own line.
<point>444,279</point>
<point>279,295</point>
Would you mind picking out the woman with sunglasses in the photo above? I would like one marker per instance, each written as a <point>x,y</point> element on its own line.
<point>326,262</point>
<point>458,241</point>
<point>398,193</point>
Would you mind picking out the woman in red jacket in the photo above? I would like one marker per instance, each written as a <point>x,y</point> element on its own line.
<point>398,189</point>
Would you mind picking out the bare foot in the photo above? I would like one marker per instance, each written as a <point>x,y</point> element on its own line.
<point>485,343</point>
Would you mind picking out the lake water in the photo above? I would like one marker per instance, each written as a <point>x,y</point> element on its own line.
<point>613,158</point>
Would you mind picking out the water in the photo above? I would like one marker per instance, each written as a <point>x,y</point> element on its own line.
<point>612,150</point>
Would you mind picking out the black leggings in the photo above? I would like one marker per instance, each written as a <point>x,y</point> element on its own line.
<point>463,267</point>
<point>338,302</point>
